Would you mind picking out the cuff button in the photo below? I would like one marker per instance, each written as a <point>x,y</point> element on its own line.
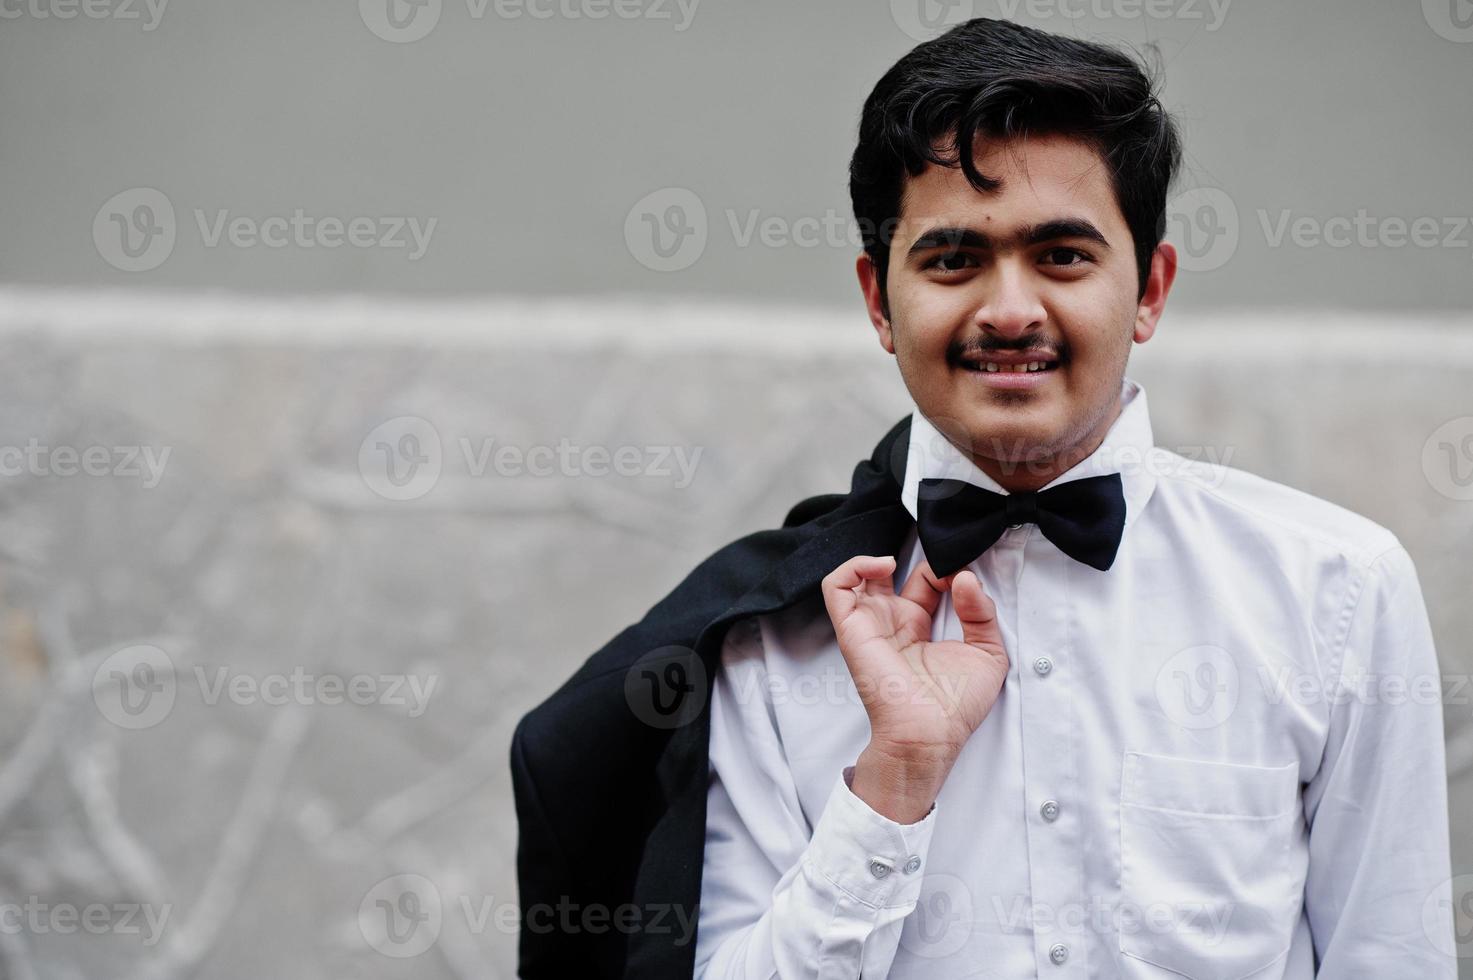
<point>913,865</point>
<point>879,868</point>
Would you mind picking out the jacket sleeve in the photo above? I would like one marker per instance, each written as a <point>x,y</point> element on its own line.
<point>541,864</point>
<point>1378,892</point>
<point>779,900</point>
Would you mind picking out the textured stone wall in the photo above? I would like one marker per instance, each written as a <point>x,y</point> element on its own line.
<point>277,579</point>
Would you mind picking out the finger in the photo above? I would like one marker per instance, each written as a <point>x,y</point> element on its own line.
<point>976,610</point>
<point>924,588</point>
<point>869,571</point>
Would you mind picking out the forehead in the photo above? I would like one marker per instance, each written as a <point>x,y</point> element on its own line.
<point>1040,177</point>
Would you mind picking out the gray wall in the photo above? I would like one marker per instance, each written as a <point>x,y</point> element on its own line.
<point>270,542</point>
<point>529,141</point>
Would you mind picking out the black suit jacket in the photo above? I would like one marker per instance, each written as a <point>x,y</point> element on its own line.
<point>610,772</point>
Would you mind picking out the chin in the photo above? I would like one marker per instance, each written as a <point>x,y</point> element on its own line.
<point>1011,440</point>
<point>1018,420</point>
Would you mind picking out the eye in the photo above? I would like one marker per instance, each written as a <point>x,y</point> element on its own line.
<point>951,261</point>
<point>1064,257</point>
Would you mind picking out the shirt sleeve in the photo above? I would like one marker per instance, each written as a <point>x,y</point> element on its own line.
<point>776,899</point>
<point>1378,892</point>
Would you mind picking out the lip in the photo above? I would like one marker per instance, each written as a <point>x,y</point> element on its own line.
<point>1011,380</point>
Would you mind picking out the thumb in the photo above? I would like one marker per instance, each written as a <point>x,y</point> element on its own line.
<point>977,612</point>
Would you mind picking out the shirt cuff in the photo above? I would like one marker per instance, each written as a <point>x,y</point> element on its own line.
<point>868,855</point>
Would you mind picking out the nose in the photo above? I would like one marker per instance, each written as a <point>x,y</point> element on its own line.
<point>1011,306</point>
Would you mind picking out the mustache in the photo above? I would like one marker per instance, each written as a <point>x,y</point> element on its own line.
<point>957,350</point>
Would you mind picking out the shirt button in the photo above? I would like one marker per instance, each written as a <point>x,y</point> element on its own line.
<point>1050,810</point>
<point>1058,952</point>
<point>879,868</point>
<point>1043,665</point>
<point>913,865</point>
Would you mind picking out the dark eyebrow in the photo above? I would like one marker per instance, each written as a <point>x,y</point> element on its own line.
<point>1048,231</point>
<point>1064,228</point>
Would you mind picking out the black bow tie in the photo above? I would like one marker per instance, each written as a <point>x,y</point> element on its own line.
<point>958,520</point>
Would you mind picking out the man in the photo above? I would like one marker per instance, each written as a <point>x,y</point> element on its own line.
<point>1082,704</point>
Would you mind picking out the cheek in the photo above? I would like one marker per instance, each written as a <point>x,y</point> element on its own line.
<point>1096,326</point>
<point>931,318</point>
<point>916,350</point>
<point>919,332</point>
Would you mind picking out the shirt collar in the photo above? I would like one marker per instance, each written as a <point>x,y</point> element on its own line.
<point>1126,449</point>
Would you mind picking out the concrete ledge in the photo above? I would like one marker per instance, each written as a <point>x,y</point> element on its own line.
<point>268,539</point>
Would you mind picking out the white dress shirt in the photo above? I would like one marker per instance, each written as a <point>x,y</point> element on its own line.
<point>1221,758</point>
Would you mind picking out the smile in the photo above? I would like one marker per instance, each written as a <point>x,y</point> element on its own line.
<point>993,367</point>
<point>1021,376</point>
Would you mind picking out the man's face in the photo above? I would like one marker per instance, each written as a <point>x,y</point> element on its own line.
<point>1040,270</point>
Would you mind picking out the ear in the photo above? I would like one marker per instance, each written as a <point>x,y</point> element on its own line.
<point>1158,284</point>
<point>869,284</point>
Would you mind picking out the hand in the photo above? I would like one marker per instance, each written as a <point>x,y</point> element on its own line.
<point>924,698</point>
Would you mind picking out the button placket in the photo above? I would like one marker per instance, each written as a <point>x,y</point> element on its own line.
<point>1049,735</point>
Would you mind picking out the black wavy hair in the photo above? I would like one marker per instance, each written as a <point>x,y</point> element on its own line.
<point>992,79</point>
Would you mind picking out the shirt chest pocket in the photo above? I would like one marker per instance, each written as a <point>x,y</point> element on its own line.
<point>1211,869</point>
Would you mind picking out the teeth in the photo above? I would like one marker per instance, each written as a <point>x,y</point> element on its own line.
<point>992,367</point>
